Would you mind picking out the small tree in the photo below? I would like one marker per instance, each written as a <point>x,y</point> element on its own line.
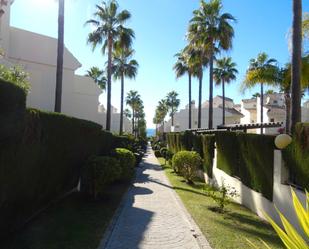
<point>172,103</point>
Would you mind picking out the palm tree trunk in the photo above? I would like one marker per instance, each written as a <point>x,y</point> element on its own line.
<point>288,112</point>
<point>172,116</point>
<point>121,105</point>
<point>133,114</point>
<point>223,102</point>
<point>190,106</point>
<point>296,63</point>
<point>59,73</point>
<point>211,65</point>
<point>109,84</point>
<point>262,104</point>
<point>199,119</point>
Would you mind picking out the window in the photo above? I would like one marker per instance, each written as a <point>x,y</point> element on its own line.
<point>275,101</point>
<point>272,120</point>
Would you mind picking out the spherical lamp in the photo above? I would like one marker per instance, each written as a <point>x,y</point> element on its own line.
<point>282,141</point>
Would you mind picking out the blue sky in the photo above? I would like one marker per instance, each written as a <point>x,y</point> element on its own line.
<point>160,27</point>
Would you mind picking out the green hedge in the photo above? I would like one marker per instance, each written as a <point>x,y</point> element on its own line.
<point>98,172</point>
<point>43,163</point>
<point>127,162</point>
<point>296,156</point>
<point>12,109</point>
<point>208,146</point>
<point>249,157</point>
<point>228,153</point>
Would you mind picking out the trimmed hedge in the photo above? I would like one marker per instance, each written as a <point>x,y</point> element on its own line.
<point>41,156</point>
<point>208,142</point>
<point>228,153</point>
<point>43,163</point>
<point>12,109</point>
<point>187,163</point>
<point>249,157</point>
<point>98,172</point>
<point>296,156</point>
<point>127,162</point>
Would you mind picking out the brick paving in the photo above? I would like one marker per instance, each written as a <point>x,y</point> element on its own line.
<point>152,216</point>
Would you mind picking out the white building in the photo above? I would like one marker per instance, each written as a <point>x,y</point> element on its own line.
<point>181,118</point>
<point>273,111</point>
<point>37,54</point>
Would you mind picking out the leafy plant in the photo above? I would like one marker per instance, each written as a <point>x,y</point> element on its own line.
<point>225,193</point>
<point>289,235</point>
<point>15,75</point>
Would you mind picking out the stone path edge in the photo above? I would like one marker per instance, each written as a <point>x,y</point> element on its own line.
<point>198,235</point>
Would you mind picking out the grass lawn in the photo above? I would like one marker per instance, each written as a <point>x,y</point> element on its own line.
<point>227,230</point>
<point>74,223</point>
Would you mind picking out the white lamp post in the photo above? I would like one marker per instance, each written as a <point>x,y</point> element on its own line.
<point>282,141</point>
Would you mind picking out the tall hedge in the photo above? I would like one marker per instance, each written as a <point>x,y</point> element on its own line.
<point>43,160</point>
<point>296,156</point>
<point>208,142</point>
<point>228,153</point>
<point>250,157</point>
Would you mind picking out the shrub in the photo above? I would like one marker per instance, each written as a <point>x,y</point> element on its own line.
<point>97,173</point>
<point>164,152</point>
<point>186,163</point>
<point>15,75</point>
<point>157,153</point>
<point>222,198</point>
<point>127,163</point>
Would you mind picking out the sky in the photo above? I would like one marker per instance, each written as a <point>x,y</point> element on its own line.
<point>160,27</point>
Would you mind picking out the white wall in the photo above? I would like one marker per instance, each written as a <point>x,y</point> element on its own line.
<point>255,201</point>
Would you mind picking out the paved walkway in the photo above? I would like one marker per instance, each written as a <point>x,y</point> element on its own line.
<point>152,216</point>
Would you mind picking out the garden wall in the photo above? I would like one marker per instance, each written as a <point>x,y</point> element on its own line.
<point>41,155</point>
<point>252,165</point>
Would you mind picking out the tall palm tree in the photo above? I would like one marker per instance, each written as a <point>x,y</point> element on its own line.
<point>98,77</point>
<point>133,100</point>
<point>123,66</point>
<point>296,63</point>
<point>59,73</point>
<point>109,23</point>
<point>225,72</point>
<point>172,103</point>
<point>211,30</point>
<point>182,67</point>
<point>162,110</point>
<point>262,70</point>
<point>285,86</point>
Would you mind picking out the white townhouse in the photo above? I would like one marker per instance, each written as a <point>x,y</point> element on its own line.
<point>181,118</point>
<point>37,54</point>
<point>273,111</point>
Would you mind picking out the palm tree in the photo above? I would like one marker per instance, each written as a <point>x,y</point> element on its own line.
<point>285,86</point>
<point>224,73</point>
<point>98,77</point>
<point>256,95</point>
<point>212,31</point>
<point>172,103</point>
<point>59,73</point>
<point>296,63</point>
<point>270,91</point>
<point>123,66</point>
<point>133,100</point>
<point>162,111</point>
<point>109,24</point>
<point>182,67</point>
<point>262,70</point>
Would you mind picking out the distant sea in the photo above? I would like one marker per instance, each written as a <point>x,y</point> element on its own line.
<point>151,132</point>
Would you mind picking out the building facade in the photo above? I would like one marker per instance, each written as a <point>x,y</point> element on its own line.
<point>37,55</point>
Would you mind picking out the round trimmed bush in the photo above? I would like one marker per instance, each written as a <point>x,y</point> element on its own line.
<point>186,163</point>
<point>157,153</point>
<point>98,173</point>
<point>127,162</point>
